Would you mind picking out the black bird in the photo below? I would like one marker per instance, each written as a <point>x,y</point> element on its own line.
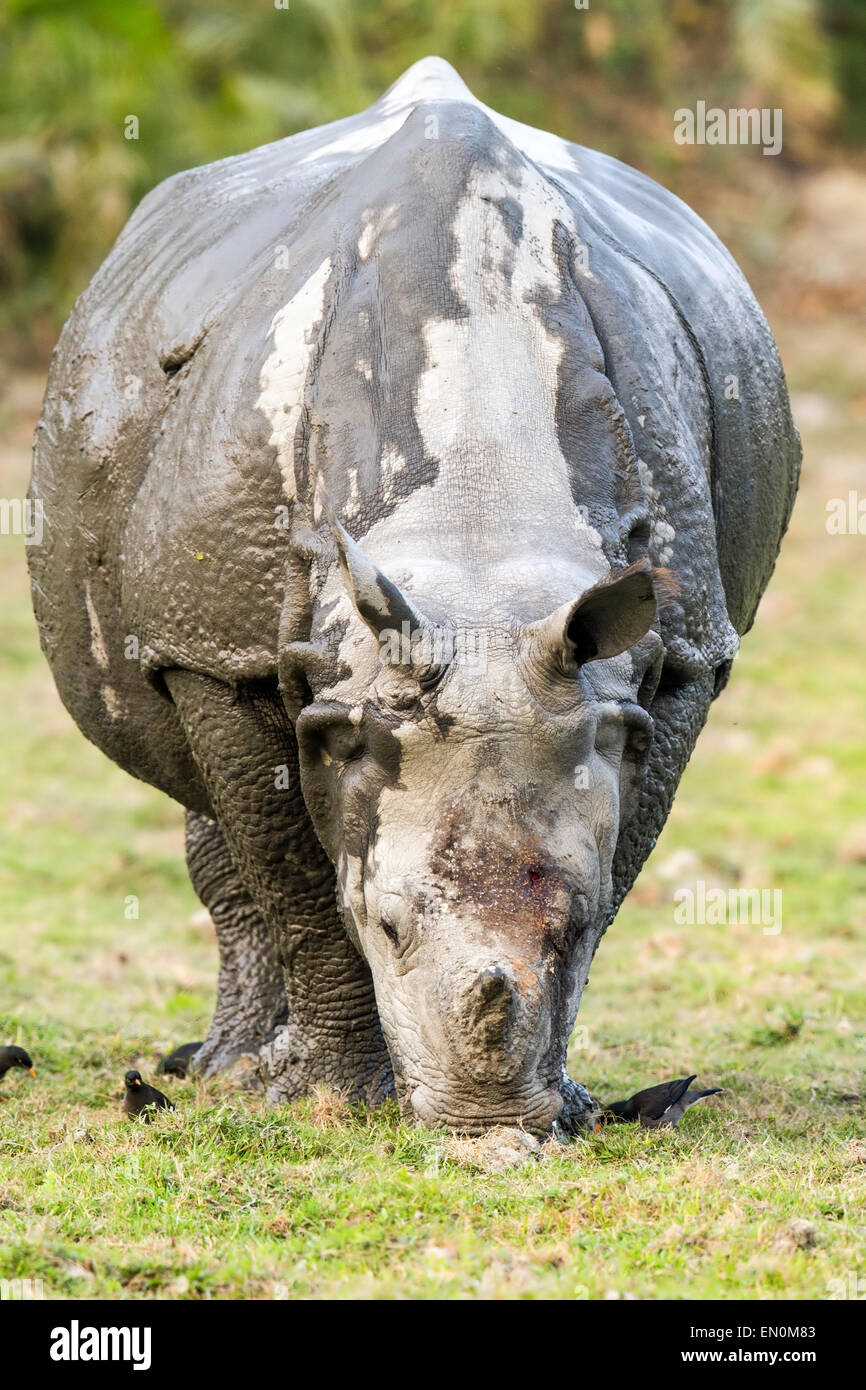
<point>141,1100</point>
<point>659,1106</point>
<point>14,1057</point>
<point>177,1062</point>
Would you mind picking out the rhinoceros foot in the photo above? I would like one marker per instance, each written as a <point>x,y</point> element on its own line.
<point>221,1052</point>
<point>295,1061</point>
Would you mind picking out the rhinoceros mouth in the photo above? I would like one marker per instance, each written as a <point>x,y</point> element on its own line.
<point>534,1112</point>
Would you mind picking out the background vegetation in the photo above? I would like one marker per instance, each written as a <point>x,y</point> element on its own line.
<point>209,78</point>
<point>763,1191</point>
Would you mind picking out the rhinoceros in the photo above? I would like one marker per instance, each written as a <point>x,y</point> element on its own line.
<point>407,485</point>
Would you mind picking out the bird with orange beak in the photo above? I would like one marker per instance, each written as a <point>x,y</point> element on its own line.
<point>14,1057</point>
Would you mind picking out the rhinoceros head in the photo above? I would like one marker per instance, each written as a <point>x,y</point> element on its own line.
<point>469,785</point>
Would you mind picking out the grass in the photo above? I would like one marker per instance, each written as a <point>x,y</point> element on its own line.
<point>759,1195</point>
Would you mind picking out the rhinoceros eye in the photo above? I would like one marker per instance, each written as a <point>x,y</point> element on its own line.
<point>389,927</point>
<point>610,733</point>
<point>396,922</point>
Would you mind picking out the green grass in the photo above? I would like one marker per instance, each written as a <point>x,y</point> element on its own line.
<point>759,1195</point>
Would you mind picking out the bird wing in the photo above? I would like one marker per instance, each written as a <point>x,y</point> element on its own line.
<point>678,1089</point>
<point>656,1100</point>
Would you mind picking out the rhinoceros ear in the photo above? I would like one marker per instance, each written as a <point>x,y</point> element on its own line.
<point>608,619</point>
<point>379,603</point>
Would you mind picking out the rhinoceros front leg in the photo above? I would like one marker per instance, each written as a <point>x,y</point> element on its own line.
<point>244,745</point>
<point>251,993</point>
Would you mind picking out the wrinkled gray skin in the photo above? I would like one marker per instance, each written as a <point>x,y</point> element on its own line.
<point>422,366</point>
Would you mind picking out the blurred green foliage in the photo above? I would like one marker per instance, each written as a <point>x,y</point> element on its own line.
<point>209,78</point>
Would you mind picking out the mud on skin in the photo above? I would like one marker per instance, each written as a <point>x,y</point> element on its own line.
<point>483,407</point>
